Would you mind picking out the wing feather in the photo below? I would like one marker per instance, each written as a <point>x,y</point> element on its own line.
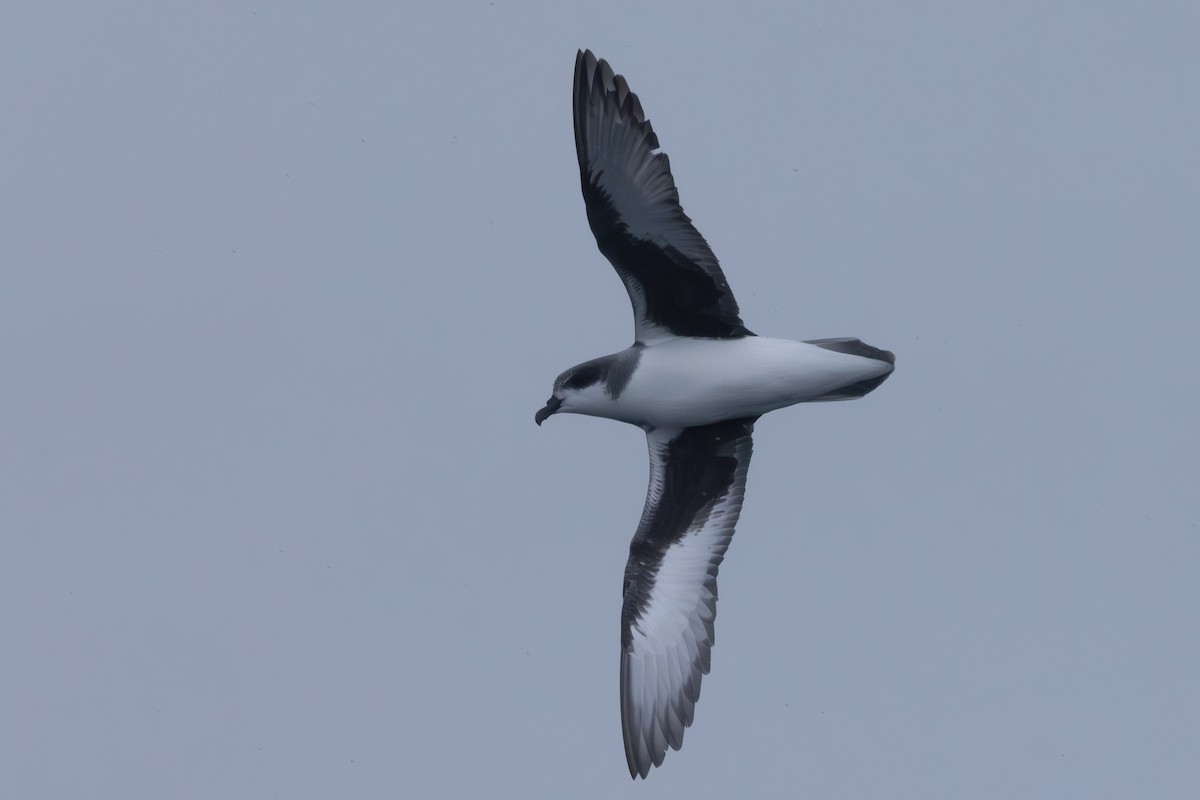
<point>697,482</point>
<point>674,281</point>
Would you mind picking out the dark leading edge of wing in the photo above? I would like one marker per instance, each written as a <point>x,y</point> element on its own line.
<point>673,278</point>
<point>697,481</point>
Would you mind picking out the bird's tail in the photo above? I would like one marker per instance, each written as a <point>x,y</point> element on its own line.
<point>856,347</point>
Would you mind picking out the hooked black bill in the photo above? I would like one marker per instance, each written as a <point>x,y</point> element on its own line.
<point>544,413</point>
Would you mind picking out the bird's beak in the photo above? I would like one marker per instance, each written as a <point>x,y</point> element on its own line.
<point>543,413</point>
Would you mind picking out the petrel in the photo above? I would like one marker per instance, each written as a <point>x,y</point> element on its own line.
<point>695,380</point>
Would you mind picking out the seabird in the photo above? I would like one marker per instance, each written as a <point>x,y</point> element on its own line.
<point>695,380</point>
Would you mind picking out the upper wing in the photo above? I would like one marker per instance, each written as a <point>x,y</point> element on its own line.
<point>673,278</point>
<point>697,480</point>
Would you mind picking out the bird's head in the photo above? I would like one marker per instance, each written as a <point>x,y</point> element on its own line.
<point>579,390</point>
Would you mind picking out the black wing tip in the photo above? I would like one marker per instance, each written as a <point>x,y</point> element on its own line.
<point>594,76</point>
<point>638,767</point>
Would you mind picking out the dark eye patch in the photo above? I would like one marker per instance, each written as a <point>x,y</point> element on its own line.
<point>584,376</point>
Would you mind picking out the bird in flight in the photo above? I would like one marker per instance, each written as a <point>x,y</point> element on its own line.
<point>695,380</point>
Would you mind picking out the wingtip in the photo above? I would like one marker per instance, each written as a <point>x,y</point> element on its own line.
<point>636,769</point>
<point>585,66</point>
<point>637,756</point>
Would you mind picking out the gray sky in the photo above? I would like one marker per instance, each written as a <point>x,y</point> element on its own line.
<point>283,289</point>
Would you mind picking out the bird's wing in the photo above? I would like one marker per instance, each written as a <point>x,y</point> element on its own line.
<point>673,279</point>
<point>697,480</point>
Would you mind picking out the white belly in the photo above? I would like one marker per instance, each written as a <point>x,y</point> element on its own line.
<point>685,382</point>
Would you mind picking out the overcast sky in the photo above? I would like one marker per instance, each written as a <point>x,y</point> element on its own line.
<point>284,286</point>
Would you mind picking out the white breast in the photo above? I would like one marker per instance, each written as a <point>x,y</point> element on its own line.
<point>685,382</point>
